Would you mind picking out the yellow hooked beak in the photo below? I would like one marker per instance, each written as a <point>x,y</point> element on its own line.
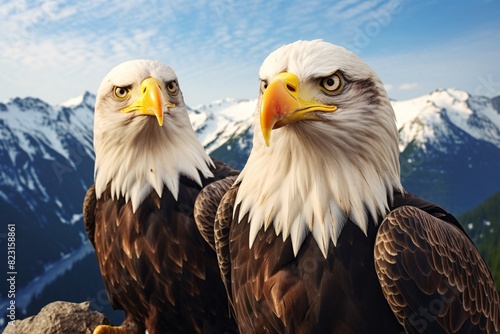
<point>151,101</point>
<point>282,105</point>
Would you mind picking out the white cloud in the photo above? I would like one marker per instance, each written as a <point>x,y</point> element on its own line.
<point>341,6</point>
<point>360,9</point>
<point>408,86</point>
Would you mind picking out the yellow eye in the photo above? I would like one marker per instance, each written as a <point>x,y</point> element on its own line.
<point>172,87</point>
<point>263,85</point>
<point>332,84</point>
<point>121,92</point>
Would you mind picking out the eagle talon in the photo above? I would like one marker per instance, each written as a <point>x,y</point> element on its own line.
<point>128,328</point>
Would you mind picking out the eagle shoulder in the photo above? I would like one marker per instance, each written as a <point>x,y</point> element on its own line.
<point>207,201</point>
<point>222,225</point>
<point>206,205</point>
<point>432,275</point>
<point>89,203</point>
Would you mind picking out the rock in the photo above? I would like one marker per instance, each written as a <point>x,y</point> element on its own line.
<point>58,318</point>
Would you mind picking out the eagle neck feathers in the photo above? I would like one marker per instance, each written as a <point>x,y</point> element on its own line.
<point>144,157</point>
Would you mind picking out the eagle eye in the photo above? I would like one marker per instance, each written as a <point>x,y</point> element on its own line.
<point>263,85</point>
<point>121,93</point>
<point>332,84</point>
<point>172,87</point>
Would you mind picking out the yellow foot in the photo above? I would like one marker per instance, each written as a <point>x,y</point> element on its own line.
<point>123,329</point>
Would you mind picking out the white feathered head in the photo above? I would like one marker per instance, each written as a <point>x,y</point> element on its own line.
<point>325,145</point>
<point>143,138</point>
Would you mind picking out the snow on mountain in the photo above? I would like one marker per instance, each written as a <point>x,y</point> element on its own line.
<point>426,118</point>
<point>20,120</point>
<point>77,100</point>
<point>31,130</point>
<point>217,122</point>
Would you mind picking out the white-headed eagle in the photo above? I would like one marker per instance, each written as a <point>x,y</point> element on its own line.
<point>317,235</point>
<point>149,168</point>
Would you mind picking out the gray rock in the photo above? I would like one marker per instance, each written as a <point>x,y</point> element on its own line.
<point>58,318</point>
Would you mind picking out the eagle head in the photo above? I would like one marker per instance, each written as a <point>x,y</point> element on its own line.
<point>143,138</point>
<point>325,145</point>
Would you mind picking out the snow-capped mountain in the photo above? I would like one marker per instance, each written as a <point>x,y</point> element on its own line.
<point>450,154</point>
<point>47,161</point>
<point>217,122</point>
<point>450,148</point>
<point>32,132</point>
<point>431,118</point>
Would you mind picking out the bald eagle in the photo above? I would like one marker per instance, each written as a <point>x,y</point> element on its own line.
<point>138,215</point>
<point>317,234</point>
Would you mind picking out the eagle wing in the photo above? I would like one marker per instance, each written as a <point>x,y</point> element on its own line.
<point>222,225</point>
<point>208,200</point>
<point>433,276</point>
<point>210,203</point>
<point>89,203</point>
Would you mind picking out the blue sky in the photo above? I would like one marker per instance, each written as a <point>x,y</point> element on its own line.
<point>57,49</point>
